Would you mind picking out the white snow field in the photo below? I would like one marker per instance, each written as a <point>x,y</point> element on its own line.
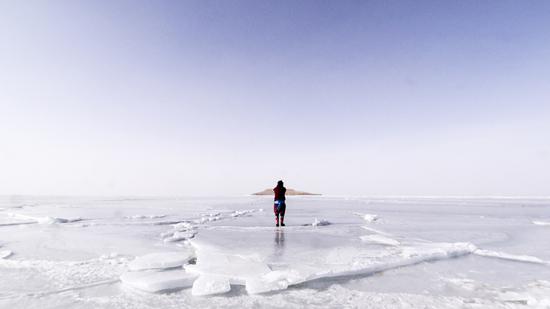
<point>335,252</point>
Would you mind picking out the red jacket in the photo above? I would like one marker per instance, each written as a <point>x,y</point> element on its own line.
<point>279,193</point>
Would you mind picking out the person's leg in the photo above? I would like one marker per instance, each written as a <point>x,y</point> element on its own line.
<point>276,211</point>
<point>282,213</point>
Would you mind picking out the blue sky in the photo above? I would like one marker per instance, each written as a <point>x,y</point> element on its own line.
<point>226,97</point>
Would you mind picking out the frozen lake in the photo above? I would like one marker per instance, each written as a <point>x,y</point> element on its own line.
<point>60,252</point>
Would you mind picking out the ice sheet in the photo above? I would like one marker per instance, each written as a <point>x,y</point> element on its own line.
<point>376,252</point>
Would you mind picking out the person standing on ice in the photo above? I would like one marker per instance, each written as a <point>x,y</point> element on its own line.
<point>280,206</point>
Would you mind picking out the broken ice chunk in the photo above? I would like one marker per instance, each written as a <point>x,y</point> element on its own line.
<point>161,260</point>
<point>210,284</point>
<point>153,281</point>
<point>5,254</point>
<point>379,239</point>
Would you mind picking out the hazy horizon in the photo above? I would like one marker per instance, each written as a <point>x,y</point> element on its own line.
<point>214,98</point>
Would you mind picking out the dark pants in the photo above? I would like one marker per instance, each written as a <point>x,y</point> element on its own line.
<point>279,209</point>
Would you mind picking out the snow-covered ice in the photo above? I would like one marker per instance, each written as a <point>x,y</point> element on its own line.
<point>5,254</point>
<point>210,284</point>
<point>59,252</point>
<point>137,217</point>
<point>43,220</point>
<point>544,223</point>
<point>511,257</point>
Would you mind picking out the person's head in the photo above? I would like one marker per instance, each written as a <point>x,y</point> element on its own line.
<point>279,183</point>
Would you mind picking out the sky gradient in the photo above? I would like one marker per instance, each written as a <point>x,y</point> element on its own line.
<point>227,97</point>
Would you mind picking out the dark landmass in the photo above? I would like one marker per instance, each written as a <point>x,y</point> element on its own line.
<point>288,192</point>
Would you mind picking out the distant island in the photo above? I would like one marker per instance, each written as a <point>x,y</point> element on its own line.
<point>269,191</point>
